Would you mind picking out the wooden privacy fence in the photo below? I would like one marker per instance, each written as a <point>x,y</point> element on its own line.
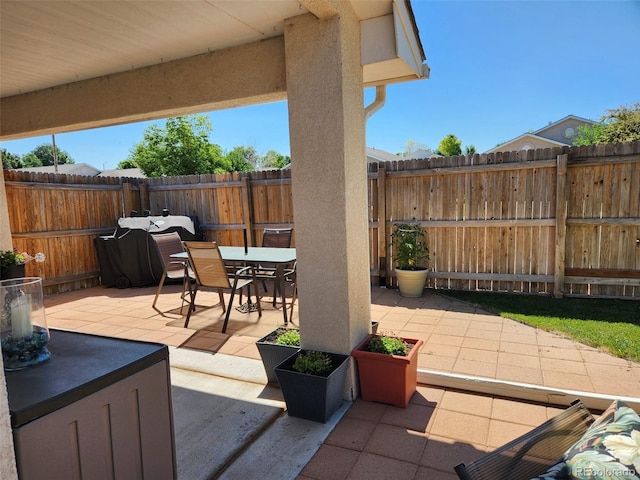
<point>562,221</point>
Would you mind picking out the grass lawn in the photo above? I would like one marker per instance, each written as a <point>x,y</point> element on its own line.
<point>613,325</point>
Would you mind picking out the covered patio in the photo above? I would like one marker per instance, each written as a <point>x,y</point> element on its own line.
<point>530,375</point>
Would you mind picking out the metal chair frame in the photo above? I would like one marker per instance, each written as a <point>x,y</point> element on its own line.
<point>210,272</point>
<point>166,245</point>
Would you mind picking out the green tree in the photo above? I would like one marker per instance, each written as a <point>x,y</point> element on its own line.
<point>44,153</point>
<point>125,164</point>
<point>30,160</point>
<point>243,159</point>
<point>470,149</point>
<point>181,147</point>
<point>412,146</point>
<point>273,159</point>
<point>618,125</point>
<point>449,146</point>
<point>10,160</point>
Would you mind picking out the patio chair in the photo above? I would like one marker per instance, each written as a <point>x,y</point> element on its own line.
<point>168,244</point>
<point>274,238</point>
<point>532,453</point>
<point>211,272</point>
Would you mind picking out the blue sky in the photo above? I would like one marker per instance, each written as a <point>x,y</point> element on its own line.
<point>498,69</point>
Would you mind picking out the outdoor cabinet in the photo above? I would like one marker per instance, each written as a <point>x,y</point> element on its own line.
<point>99,408</point>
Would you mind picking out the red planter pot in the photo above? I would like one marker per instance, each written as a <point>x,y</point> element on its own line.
<point>390,379</point>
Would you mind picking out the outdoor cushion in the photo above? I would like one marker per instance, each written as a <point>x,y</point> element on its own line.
<point>609,449</point>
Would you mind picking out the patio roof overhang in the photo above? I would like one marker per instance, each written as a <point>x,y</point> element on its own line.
<point>64,53</point>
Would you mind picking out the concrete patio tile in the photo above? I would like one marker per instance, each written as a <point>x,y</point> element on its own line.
<point>436,362</point>
<point>495,326</point>
<point>550,339</point>
<point>564,366</point>
<point>424,329</point>
<point>472,404</point>
<point>415,417</point>
<point>443,453</point>
<point>362,410</point>
<point>384,440</point>
<point>519,348</point>
<point>478,355</point>
<point>454,322</point>
<point>440,350</point>
<point>428,396</point>
<point>450,330</point>
<point>479,333</point>
<point>330,463</point>
<point>459,425</point>
<point>518,338</point>
<point>517,360</point>
<point>425,318</point>
<point>567,381</point>
<point>481,344</point>
<point>569,353</point>
<point>615,379</point>
<point>375,467</point>
<point>598,356</point>
<point>351,433</point>
<point>425,473</point>
<point>444,339</point>
<point>501,432</point>
<point>470,367</point>
<point>514,373</point>
<point>518,412</point>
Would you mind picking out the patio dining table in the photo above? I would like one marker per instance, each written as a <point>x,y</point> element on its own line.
<point>255,256</point>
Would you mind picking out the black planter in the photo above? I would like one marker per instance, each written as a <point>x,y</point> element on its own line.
<point>12,271</point>
<point>273,354</point>
<point>313,397</point>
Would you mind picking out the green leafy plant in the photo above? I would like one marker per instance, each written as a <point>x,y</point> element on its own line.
<point>313,363</point>
<point>14,257</point>
<point>388,345</point>
<point>410,247</point>
<point>290,337</point>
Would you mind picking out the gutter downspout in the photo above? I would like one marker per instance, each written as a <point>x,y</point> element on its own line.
<point>378,103</point>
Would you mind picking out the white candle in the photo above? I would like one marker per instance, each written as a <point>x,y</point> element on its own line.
<point>21,317</point>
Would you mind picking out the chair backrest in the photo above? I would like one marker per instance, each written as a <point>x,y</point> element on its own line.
<point>532,453</point>
<point>277,237</point>
<point>207,264</point>
<point>166,245</point>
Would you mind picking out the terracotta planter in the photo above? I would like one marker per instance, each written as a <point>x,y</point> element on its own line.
<point>390,379</point>
<point>313,397</point>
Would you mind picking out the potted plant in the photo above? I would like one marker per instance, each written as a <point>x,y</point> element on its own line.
<point>411,253</point>
<point>277,346</point>
<point>312,383</point>
<point>387,368</point>
<point>12,263</point>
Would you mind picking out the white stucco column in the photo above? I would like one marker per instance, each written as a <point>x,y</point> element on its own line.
<point>327,131</point>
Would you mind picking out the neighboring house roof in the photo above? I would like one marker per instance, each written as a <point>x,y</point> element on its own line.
<point>65,168</point>
<point>422,153</point>
<point>127,172</point>
<point>376,155</point>
<point>555,134</point>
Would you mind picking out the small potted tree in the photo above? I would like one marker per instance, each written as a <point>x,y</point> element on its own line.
<point>387,368</point>
<point>312,383</point>
<point>277,346</point>
<point>411,254</point>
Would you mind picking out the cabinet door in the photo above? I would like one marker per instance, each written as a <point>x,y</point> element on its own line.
<point>122,431</point>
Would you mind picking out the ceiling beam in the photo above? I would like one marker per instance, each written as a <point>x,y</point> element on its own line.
<point>248,74</point>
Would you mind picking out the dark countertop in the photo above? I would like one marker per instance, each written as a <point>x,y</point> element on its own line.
<point>80,364</point>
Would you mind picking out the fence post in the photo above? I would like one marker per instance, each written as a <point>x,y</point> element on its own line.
<point>127,205</point>
<point>144,196</point>
<point>247,210</point>
<point>382,227</point>
<point>561,225</point>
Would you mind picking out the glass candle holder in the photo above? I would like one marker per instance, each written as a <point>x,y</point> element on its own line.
<point>23,325</point>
